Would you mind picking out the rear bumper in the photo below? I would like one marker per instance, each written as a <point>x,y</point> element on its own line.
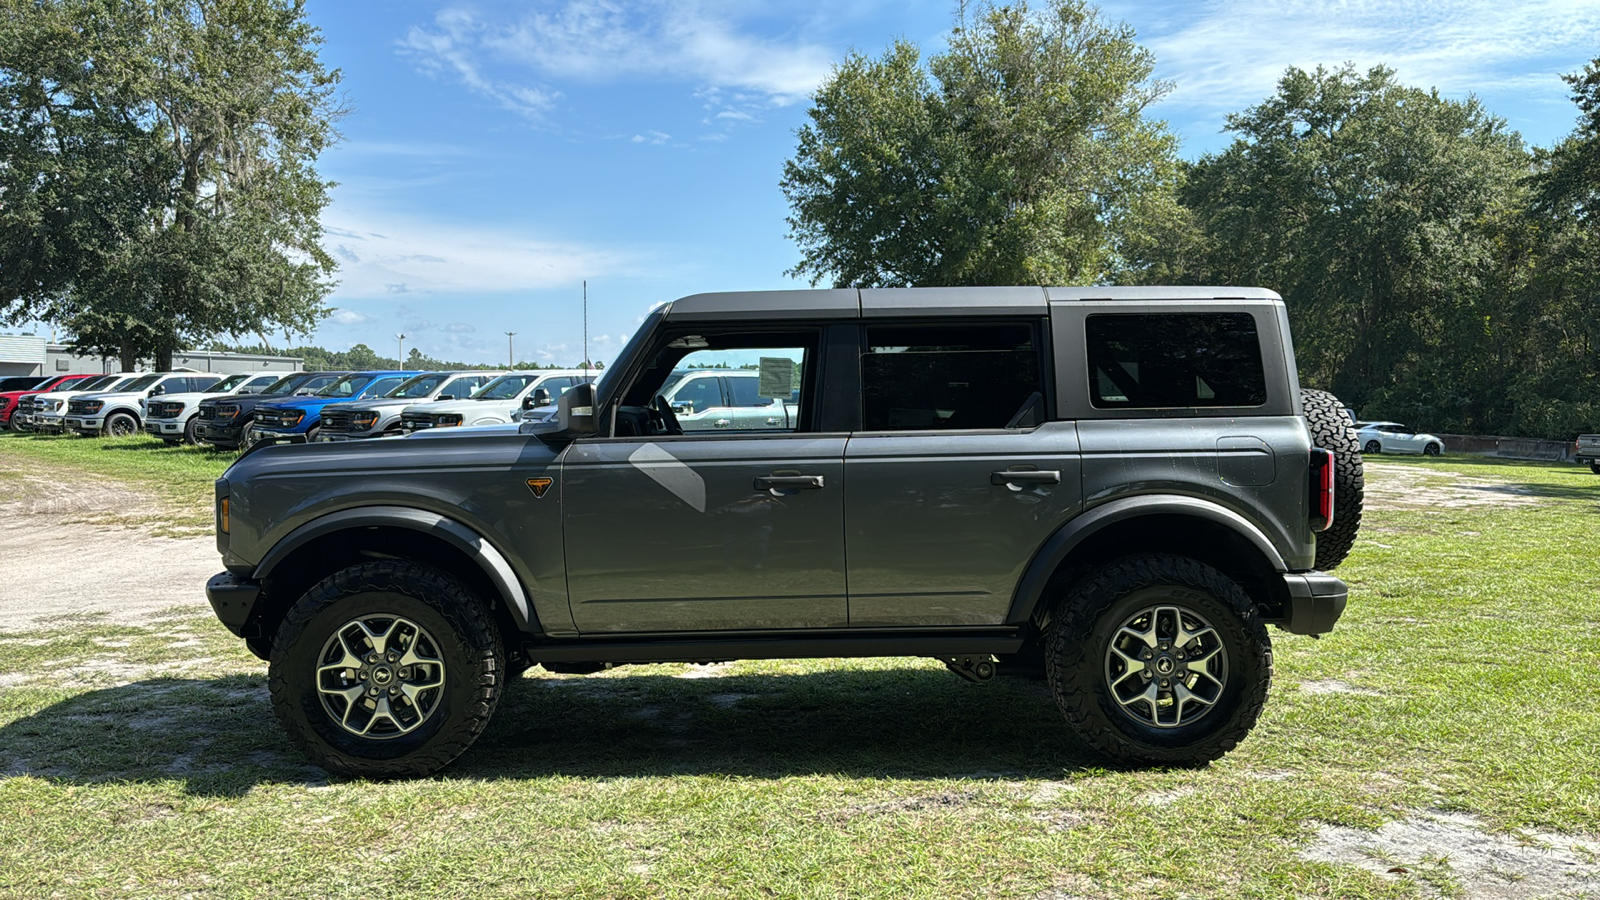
<point>1316,601</point>
<point>233,599</point>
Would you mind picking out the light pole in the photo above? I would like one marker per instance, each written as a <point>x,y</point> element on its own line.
<point>511,356</point>
<point>400,348</point>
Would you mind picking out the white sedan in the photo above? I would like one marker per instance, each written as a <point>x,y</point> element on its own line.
<point>1392,437</point>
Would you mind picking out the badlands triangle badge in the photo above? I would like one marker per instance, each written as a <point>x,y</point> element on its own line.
<point>539,486</point>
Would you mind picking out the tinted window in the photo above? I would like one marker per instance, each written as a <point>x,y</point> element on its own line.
<point>744,390</point>
<point>506,387</point>
<point>556,386</point>
<point>1175,361</point>
<point>697,394</point>
<point>919,377</point>
<point>383,386</point>
<point>348,386</point>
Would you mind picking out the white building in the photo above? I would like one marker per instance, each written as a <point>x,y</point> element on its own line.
<point>26,354</point>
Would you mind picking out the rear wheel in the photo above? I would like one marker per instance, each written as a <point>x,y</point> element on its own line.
<point>1432,450</point>
<point>1372,447</point>
<point>1158,660</point>
<point>386,669</point>
<point>1333,430</point>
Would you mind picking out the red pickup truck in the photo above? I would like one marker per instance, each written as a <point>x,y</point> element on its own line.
<point>8,399</point>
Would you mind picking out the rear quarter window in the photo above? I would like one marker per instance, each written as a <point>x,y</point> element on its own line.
<point>1167,361</point>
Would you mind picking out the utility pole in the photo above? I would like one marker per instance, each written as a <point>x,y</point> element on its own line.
<point>511,356</point>
<point>586,325</point>
<point>400,348</point>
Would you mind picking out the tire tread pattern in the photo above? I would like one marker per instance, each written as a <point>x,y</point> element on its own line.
<point>1332,429</point>
<point>1073,660</point>
<point>466,615</point>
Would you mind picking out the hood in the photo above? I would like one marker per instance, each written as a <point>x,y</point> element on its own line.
<point>476,448</point>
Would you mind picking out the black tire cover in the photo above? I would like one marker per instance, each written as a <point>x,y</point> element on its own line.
<point>1332,429</point>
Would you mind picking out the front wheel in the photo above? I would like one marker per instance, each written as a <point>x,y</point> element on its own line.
<point>1158,660</point>
<point>191,430</point>
<point>386,669</point>
<point>121,425</point>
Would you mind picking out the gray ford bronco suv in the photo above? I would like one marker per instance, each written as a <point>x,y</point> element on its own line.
<point>1119,488</point>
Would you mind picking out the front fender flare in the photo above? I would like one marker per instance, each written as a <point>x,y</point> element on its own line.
<point>1055,550</point>
<point>493,563</point>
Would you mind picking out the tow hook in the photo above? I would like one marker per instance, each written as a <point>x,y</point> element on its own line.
<point>976,669</point>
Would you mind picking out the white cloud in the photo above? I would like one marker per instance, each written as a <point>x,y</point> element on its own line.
<point>452,50</point>
<point>396,255</point>
<point>698,42</point>
<point>350,317</point>
<point>1225,55</point>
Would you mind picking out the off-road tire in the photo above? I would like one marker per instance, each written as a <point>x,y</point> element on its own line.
<point>120,424</point>
<point>1332,429</point>
<point>1087,619</point>
<point>468,643</point>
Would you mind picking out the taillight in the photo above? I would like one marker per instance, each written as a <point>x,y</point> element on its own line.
<point>1321,490</point>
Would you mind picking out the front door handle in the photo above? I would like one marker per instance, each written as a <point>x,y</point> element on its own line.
<point>1026,476</point>
<point>788,482</point>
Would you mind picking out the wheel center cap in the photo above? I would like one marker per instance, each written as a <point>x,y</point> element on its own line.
<point>1165,665</point>
<point>382,675</point>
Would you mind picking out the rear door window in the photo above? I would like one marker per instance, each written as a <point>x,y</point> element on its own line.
<point>951,377</point>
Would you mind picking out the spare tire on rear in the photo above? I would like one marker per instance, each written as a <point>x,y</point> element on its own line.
<point>1333,429</point>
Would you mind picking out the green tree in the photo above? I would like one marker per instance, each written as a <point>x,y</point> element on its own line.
<point>1390,220</point>
<point>158,180</point>
<point>1022,155</point>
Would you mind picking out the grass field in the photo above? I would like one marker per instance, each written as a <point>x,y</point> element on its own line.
<point>1459,698</point>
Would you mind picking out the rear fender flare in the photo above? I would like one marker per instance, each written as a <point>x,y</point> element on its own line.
<point>1036,579</point>
<point>493,563</point>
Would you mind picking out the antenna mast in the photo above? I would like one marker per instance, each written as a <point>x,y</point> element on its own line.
<point>586,325</point>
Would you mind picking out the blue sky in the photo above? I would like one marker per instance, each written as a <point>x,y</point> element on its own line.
<point>497,154</point>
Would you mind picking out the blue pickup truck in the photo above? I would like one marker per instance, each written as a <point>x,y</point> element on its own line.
<point>302,415</point>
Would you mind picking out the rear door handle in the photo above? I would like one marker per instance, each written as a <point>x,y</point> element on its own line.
<point>788,482</point>
<point>1026,476</point>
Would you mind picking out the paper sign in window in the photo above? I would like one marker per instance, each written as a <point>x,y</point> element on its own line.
<point>777,378</point>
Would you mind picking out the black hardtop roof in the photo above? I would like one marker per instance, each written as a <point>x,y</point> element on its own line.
<point>852,303</point>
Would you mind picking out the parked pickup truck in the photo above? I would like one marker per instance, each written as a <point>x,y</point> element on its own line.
<point>1589,452</point>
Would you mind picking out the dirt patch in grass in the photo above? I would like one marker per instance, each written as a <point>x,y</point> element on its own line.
<point>62,559</point>
<point>1408,487</point>
<point>1452,854</point>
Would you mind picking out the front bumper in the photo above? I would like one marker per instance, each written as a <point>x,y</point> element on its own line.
<point>221,434</point>
<point>1316,601</point>
<point>233,598</point>
<point>84,424</point>
<point>49,422</point>
<point>159,427</point>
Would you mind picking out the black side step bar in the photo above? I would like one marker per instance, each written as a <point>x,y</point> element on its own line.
<point>811,646</point>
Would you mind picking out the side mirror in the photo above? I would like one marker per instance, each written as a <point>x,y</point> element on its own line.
<point>157,391</point>
<point>539,397</point>
<point>443,397</point>
<point>305,392</point>
<point>575,411</point>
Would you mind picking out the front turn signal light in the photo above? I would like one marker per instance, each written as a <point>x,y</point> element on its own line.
<point>222,517</point>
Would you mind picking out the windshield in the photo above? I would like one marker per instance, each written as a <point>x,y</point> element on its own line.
<point>228,384</point>
<point>348,386</point>
<point>506,387</point>
<point>285,384</point>
<point>87,384</point>
<point>607,382</point>
<point>420,386</point>
<point>140,384</point>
